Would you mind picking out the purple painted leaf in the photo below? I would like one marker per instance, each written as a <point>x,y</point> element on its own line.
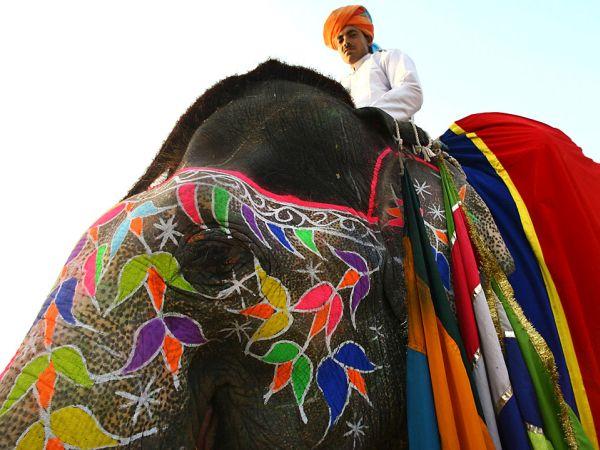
<point>250,219</point>
<point>353,259</point>
<point>360,291</point>
<point>352,355</point>
<point>333,383</point>
<point>187,330</point>
<point>78,247</point>
<point>64,299</point>
<point>147,340</point>
<point>46,304</point>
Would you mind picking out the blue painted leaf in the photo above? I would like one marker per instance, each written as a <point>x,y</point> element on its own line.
<point>352,355</point>
<point>353,259</point>
<point>119,236</point>
<point>64,299</point>
<point>443,267</point>
<point>144,210</point>
<point>281,237</point>
<point>333,383</point>
<point>148,340</point>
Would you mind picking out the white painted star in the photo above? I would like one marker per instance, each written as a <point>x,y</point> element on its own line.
<point>436,211</point>
<point>142,401</point>
<point>356,431</point>
<point>311,271</point>
<point>236,287</point>
<point>377,330</point>
<point>238,329</point>
<point>422,188</point>
<point>168,231</point>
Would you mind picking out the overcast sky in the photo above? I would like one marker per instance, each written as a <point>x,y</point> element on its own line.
<point>89,90</point>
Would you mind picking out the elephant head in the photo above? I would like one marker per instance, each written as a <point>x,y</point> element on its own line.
<point>252,299</point>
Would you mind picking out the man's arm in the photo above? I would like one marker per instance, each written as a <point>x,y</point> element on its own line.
<point>405,97</point>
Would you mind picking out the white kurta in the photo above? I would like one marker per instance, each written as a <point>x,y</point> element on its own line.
<point>386,79</point>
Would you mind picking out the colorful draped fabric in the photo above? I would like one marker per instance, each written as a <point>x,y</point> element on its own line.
<point>543,194</point>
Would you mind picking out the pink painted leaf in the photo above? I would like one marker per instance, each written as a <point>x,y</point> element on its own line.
<point>186,194</point>
<point>89,273</point>
<point>336,310</point>
<point>110,215</point>
<point>148,340</point>
<point>353,259</point>
<point>315,297</point>
<point>187,330</point>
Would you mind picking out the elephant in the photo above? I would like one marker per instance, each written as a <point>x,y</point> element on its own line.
<point>248,292</point>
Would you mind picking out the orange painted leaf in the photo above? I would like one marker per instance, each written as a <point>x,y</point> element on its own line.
<point>319,321</point>
<point>54,444</point>
<point>394,212</point>
<point>442,236</point>
<point>50,323</point>
<point>156,287</point>
<point>282,376</point>
<point>136,226</point>
<point>357,381</point>
<point>260,311</point>
<point>462,192</point>
<point>45,385</point>
<point>94,233</point>
<point>350,278</point>
<point>173,350</point>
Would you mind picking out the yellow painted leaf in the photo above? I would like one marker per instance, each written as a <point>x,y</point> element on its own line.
<point>78,428</point>
<point>33,438</point>
<point>275,293</point>
<point>277,323</point>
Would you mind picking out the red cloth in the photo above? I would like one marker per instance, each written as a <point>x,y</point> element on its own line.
<point>561,189</point>
<point>340,18</point>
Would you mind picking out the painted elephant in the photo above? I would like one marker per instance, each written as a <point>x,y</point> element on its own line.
<point>247,293</point>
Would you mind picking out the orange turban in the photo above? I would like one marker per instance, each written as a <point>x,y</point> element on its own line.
<point>354,15</point>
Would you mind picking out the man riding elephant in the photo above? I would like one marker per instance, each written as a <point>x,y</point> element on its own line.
<point>385,79</point>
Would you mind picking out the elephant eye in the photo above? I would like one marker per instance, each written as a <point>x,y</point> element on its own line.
<point>213,258</point>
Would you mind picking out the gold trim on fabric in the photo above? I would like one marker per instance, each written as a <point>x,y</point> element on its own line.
<point>564,333</point>
<point>503,400</point>
<point>493,270</point>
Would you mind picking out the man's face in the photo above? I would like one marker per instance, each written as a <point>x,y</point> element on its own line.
<point>352,44</point>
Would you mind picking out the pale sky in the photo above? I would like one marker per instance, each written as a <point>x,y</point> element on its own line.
<point>89,91</point>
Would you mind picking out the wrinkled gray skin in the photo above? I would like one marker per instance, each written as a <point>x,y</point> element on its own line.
<point>288,138</point>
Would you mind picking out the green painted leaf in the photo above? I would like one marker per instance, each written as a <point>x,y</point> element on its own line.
<point>220,204</point>
<point>76,427</point>
<point>281,352</point>
<point>307,237</point>
<point>302,373</point>
<point>99,262</point>
<point>69,362</point>
<point>168,268</point>
<point>29,375</point>
<point>33,438</point>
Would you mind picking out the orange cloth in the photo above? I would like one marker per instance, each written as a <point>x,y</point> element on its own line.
<point>354,15</point>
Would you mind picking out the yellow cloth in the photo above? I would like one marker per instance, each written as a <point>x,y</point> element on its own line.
<point>340,18</point>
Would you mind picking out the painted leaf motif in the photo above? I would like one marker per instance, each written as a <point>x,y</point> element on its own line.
<point>282,376</point>
<point>352,355</point>
<point>156,288</point>
<point>360,291</point>
<point>187,330</point>
<point>132,276</point>
<point>353,259</point>
<point>78,428</point>
<point>64,299</point>
<point>136,226</point>
<point>172,350</point>
<point>443,267</point>
<point>186,195</point>
<point>272,289</point>
<point>272,327</point>
<point>336,311</point>
<point>78,247</point>
<point>45,385</point>
<point>307,237</point>
<point>260,311</point>
<point>69,362</point>
<point>33,438</point>
<point>319,321</point>
<point>144,210</point>
<point>250,219</point>
<point>99,262</point>
<point>168,268</point>
<point>220,205</point>
<point>119,236</point>
<point>89,273</point>
<point>301,378</point>
<point>110,215</point>
<point>54,444</point>
<point>315,297</point>
<point>281,352</point>
<point>333,383</point>
<point>147,342</point>
<point>350,278</point>
<point>358,382</point>
<point>279,234</point>
<point>24,381</point>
